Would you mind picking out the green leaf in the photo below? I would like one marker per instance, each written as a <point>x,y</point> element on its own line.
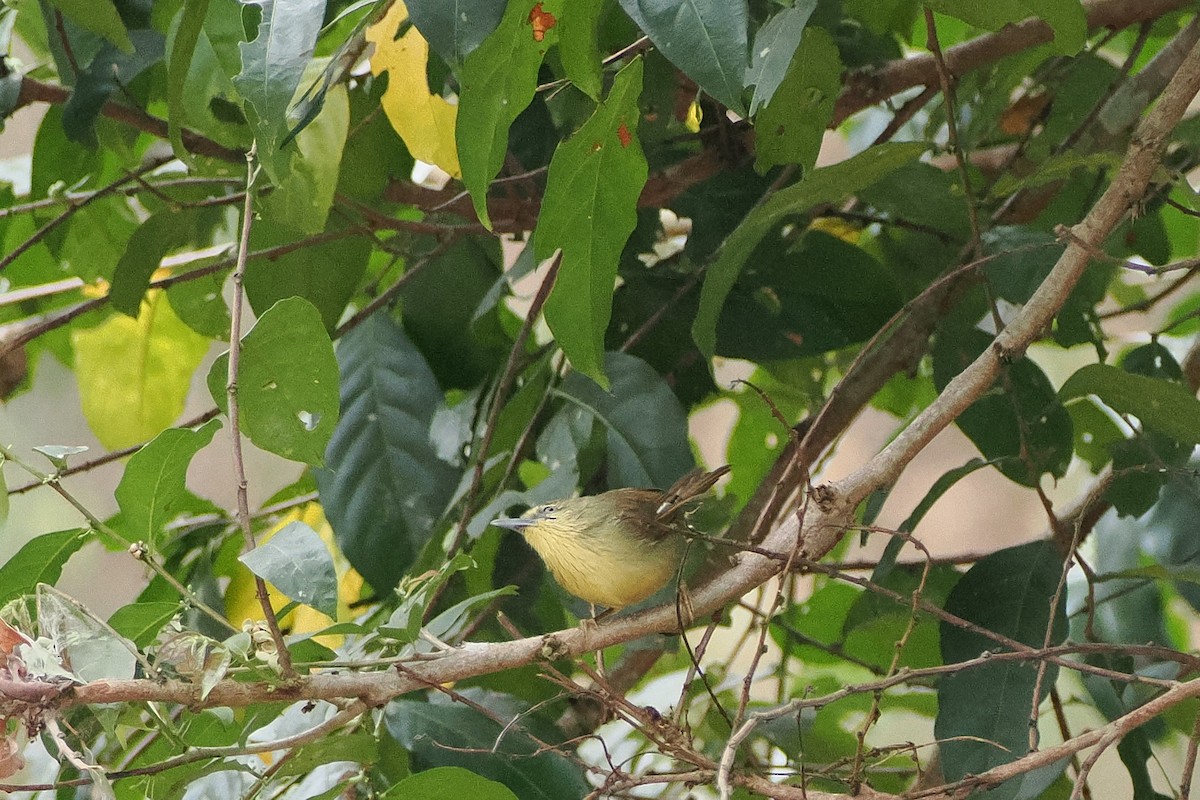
<point>302,199</point>
<point>384,485</point>
<point>1020,425</point>
<point>272,66</point>
<point>774,45</point>
<point>1161,405</point>
<point>790,128</point>
<point>134,375</point>
<point>110,70</point>
<point>589,211</point>
<point>97,16</point>
<point>825,185</point>
<point>325,275</point>
<point>646,427</point>
<point>707,39</point>
<point>40,560</point>
<point>498,83</point>
<point>287,382</point>
<point>579,47</point>
<point>141,622</point>
<point>181,45</point>
<point>168,230</point>
<point>359,747</point>
<point>983,712</point>
<point>444,733</point>
<point>152,490</point>
<point>448,783</point>
<point>454,28</point>
<point>296,562</point>
<point>200,304</point>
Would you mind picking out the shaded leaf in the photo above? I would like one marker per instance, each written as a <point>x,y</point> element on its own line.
<point>160,234</point>
<point>646,428</point>
<point>97,16</point>
<point>383,486</point>
<point>110,70</point>
<point>181,46</point>
<point>454,28</point>
<point>774,45</point>
<point>1162,405</point>
<point>789,130</point>
<point>824,185</point>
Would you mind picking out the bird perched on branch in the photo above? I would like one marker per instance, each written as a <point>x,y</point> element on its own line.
<point>617,548</point>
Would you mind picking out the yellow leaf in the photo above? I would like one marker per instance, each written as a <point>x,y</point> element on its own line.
<point>242,604</point>
<point>134,374</point>
<point>424,121</point>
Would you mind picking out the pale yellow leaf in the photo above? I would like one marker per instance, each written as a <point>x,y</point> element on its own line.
<point>423,120</point>
<point>134,374</point>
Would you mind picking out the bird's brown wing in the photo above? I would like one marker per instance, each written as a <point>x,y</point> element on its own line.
<point>688,488</point>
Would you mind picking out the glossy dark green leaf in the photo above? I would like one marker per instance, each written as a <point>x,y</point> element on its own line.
<point>1021,426</point>
<point>1020,258</point>
<point>141,622</point>
<point>1167,533</point>
<point>273,64</point>
<point>824,185</point>
<point>442,733</point>
<point>1162,405</point>
<point>790,128</point>
<point>454,28</point>
<point>109,71</point>
<point>152,491</point>
<point>579,48</point>
<point>1095,431</point>
<point>296,562</point>
<point>774,45</point>
<point>384,486</point>
<point>588,212</point>
<point>498,82</point>
<point>645,426</point>
<point>40,560</point>
<point>443,783</point>
<point>1141,467</point>
<point>983,712</point>
<point>287,382</point>
<point>156,237</point>
<point>707,39</point>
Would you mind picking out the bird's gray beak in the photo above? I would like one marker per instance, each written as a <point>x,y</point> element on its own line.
<point>512,523</point>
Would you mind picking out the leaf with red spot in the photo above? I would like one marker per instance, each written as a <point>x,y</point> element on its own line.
<point>542,21</point>
<point>589,210</point>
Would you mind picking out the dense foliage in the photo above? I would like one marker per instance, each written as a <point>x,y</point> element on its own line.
<point>369,208</point>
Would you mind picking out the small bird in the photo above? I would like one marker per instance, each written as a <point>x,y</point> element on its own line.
<point>617,548</point>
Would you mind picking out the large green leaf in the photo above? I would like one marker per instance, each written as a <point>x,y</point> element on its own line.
<point>646,427</point>
<point>774,45</point>
<point>825,185</point>
<point>142,622</point>
<point>1021,425</point>
<point>579,48</point>
<point>443,783</point>
<point>384,485</point>
<point>97,16</point>
<point>325,275</point>
<point>296,562</point>
<point>498,82</point>
<point>109,71</point>
<point>272,66</point>
<point>442,732</point>
<point>1065,17</point>
<point>161,233</point>
<point>153,487</point>
<point>181,45</point>
<point>1161,405</point>
<point>983,712</point>
<point>707,39</point>
<point>789,130</point>
<point>287,382</point>
<point>40,560</point>
<point>589,211</point>
<point>454,28</point>
<point>134,375</point>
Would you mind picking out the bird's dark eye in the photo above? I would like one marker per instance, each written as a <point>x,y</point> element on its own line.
<point>550,509</point>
